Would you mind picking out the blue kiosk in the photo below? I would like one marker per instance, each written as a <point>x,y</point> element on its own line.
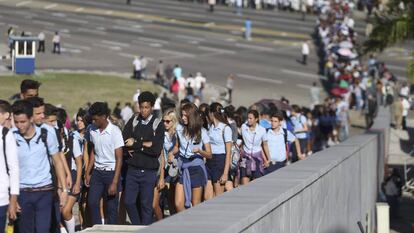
<point>23,54</point>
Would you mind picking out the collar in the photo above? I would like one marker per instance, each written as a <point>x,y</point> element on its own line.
<point>146,121</point>
<point>220,126</point>
<point>107,130</point>
<point>280,131</point>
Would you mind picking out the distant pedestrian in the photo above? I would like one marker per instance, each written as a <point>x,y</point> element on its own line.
<point>230,86</point>
<point>248,29</point>
<point>56,43</point>
<point>406,107</point>
<point>211,3</point>
<point>159,73</point>
<point>144,63</point>
<point>137,68</point>
<point>305,52</point>
<point>239,7</point>
<point>41,38</point>
<point>200,83</point>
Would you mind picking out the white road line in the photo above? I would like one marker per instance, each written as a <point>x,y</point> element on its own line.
<point>189,37</point>
<point>92,31</point>
<point>44,23</point>
<point>128,55</point>
<point>95,17</point>
<point>176,53</point>
<point>301,74</point>
<point>192,15</point>
<point>304,86</point>
<point>109,12</point>
<point>62,15</point>
<point>211,49</point>
<point>148,39</point>
<point>23,3</point>
<point>77,46</point>
<point>255,47</point>
<point>261,79</point>
<point>400,68</point>
<point>127,29</point>
<point>80,21</point>
<point>115,43</point>
<point>79,9</point>
<point>51,6</point>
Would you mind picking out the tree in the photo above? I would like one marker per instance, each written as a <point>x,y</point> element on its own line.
<point>392,26</point>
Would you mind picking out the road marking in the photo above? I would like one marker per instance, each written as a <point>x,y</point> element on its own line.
<point>62,15</point>
<point>80,21</point>
<point>304,86</point>
<point>88,30</point>
<point>231,40</point>
<point>95,17</point>
<point>176,53</point>
<point>50,6</point>
<point>155,45</point>
<point>109,12</point>
<point>261,79</point>
<point>192,15</point>
<point>70,50</point>
<point>396,67</point>
<point>301,74</point>
<point>80,9</point>
<point>115,43</point>
<point>44,23</point>
<point>23,3</point>
<point>255,47</point>
<point>127,29</point>
<point>189,37</point>
<point>206,48</point>
<point>77,46</point>
<point>128,55</point>
<point>148,39</point>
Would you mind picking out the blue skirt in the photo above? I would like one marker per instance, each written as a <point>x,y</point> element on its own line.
<point>215,166</point>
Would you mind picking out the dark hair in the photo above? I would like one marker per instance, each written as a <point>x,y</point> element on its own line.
<point>50,110</point>
<point>22,107</point>
<point>81,113</point>
<point>36,101</point>
<point>184,102</point>
<point>29,84</point>
<point>278,115</point>
<point>255,113</point>
<point>99,109</point>
<point>218,112</point>
<point>61,115</point>
<point>296,108</point>
<point>195,123</point>
<point>5,106</point>
<point>242,113</point>
<point>146,96</point>
<point>204,110</point>
<point>229,111</point>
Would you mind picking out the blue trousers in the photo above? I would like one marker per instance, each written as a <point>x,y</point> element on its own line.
<point>140,183</point>
<point>274,167</point>
<point>36,212</point>
<point>3,215</point>
<point>99,185</point>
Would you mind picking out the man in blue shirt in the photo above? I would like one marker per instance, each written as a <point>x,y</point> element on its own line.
<point>36,151</point>
<point>104,169</point>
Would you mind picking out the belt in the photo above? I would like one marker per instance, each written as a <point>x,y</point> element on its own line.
<point>273,162</point>
<point>104,169</point>
<point>49,187</point>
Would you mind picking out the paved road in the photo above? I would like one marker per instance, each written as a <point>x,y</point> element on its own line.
<point>106,34</point>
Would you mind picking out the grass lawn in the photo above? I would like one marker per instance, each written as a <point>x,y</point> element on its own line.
<point>75,90</point>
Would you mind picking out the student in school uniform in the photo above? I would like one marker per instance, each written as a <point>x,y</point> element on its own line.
<point>104,170</point>
<point>144,136</point>
<point>76,145</point>
<point>255,150</point>
<point>9,175</point>
<point>278,140</point>
<point>220,135</point>
<point>36,151</point>
<point>193,145</point>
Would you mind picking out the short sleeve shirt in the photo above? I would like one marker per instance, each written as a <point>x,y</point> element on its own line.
<point>77,149</point>
<point>219,136</point>
<point>105,143</point>
<point>34,163</point>
<point>298,122</point>
<point>276,142</point>
<point>252,140</point>
<point>188,144</point>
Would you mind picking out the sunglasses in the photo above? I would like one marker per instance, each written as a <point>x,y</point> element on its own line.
<point>167,121</point>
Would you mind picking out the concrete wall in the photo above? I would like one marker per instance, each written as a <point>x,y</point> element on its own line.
<point>329,192</point>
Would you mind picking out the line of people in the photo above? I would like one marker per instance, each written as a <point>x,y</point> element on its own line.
<point>187,155</point>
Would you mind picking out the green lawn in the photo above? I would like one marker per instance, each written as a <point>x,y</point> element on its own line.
<point>75,90</point>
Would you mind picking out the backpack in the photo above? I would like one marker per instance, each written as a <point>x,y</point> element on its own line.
<point>4,132</point>
<point>287,146</point>
<point>43,137</point>
<point>155,123</point>
<point>235,154</point>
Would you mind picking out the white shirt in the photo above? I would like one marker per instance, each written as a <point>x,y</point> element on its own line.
<point>157,104</point>
<point>181,83</point>
<point>253,139</point>
<point>135,97</point>
<point>191,81</point>
<point>126,113</point>
<point>405,91</point>
<point>406,107</point>
<point>137,64</point>
<point>186,145</point>
<point>305,49</point>
<point>277,146</point>
<point>77,148</point>
<point>105,143</point>
<point>41,36</point>
<point>199,81</point>
<point>7,182</point>
<point>218,137</point>
<point>56,39</point>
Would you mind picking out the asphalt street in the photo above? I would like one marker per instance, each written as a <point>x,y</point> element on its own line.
<point>105,35</point>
